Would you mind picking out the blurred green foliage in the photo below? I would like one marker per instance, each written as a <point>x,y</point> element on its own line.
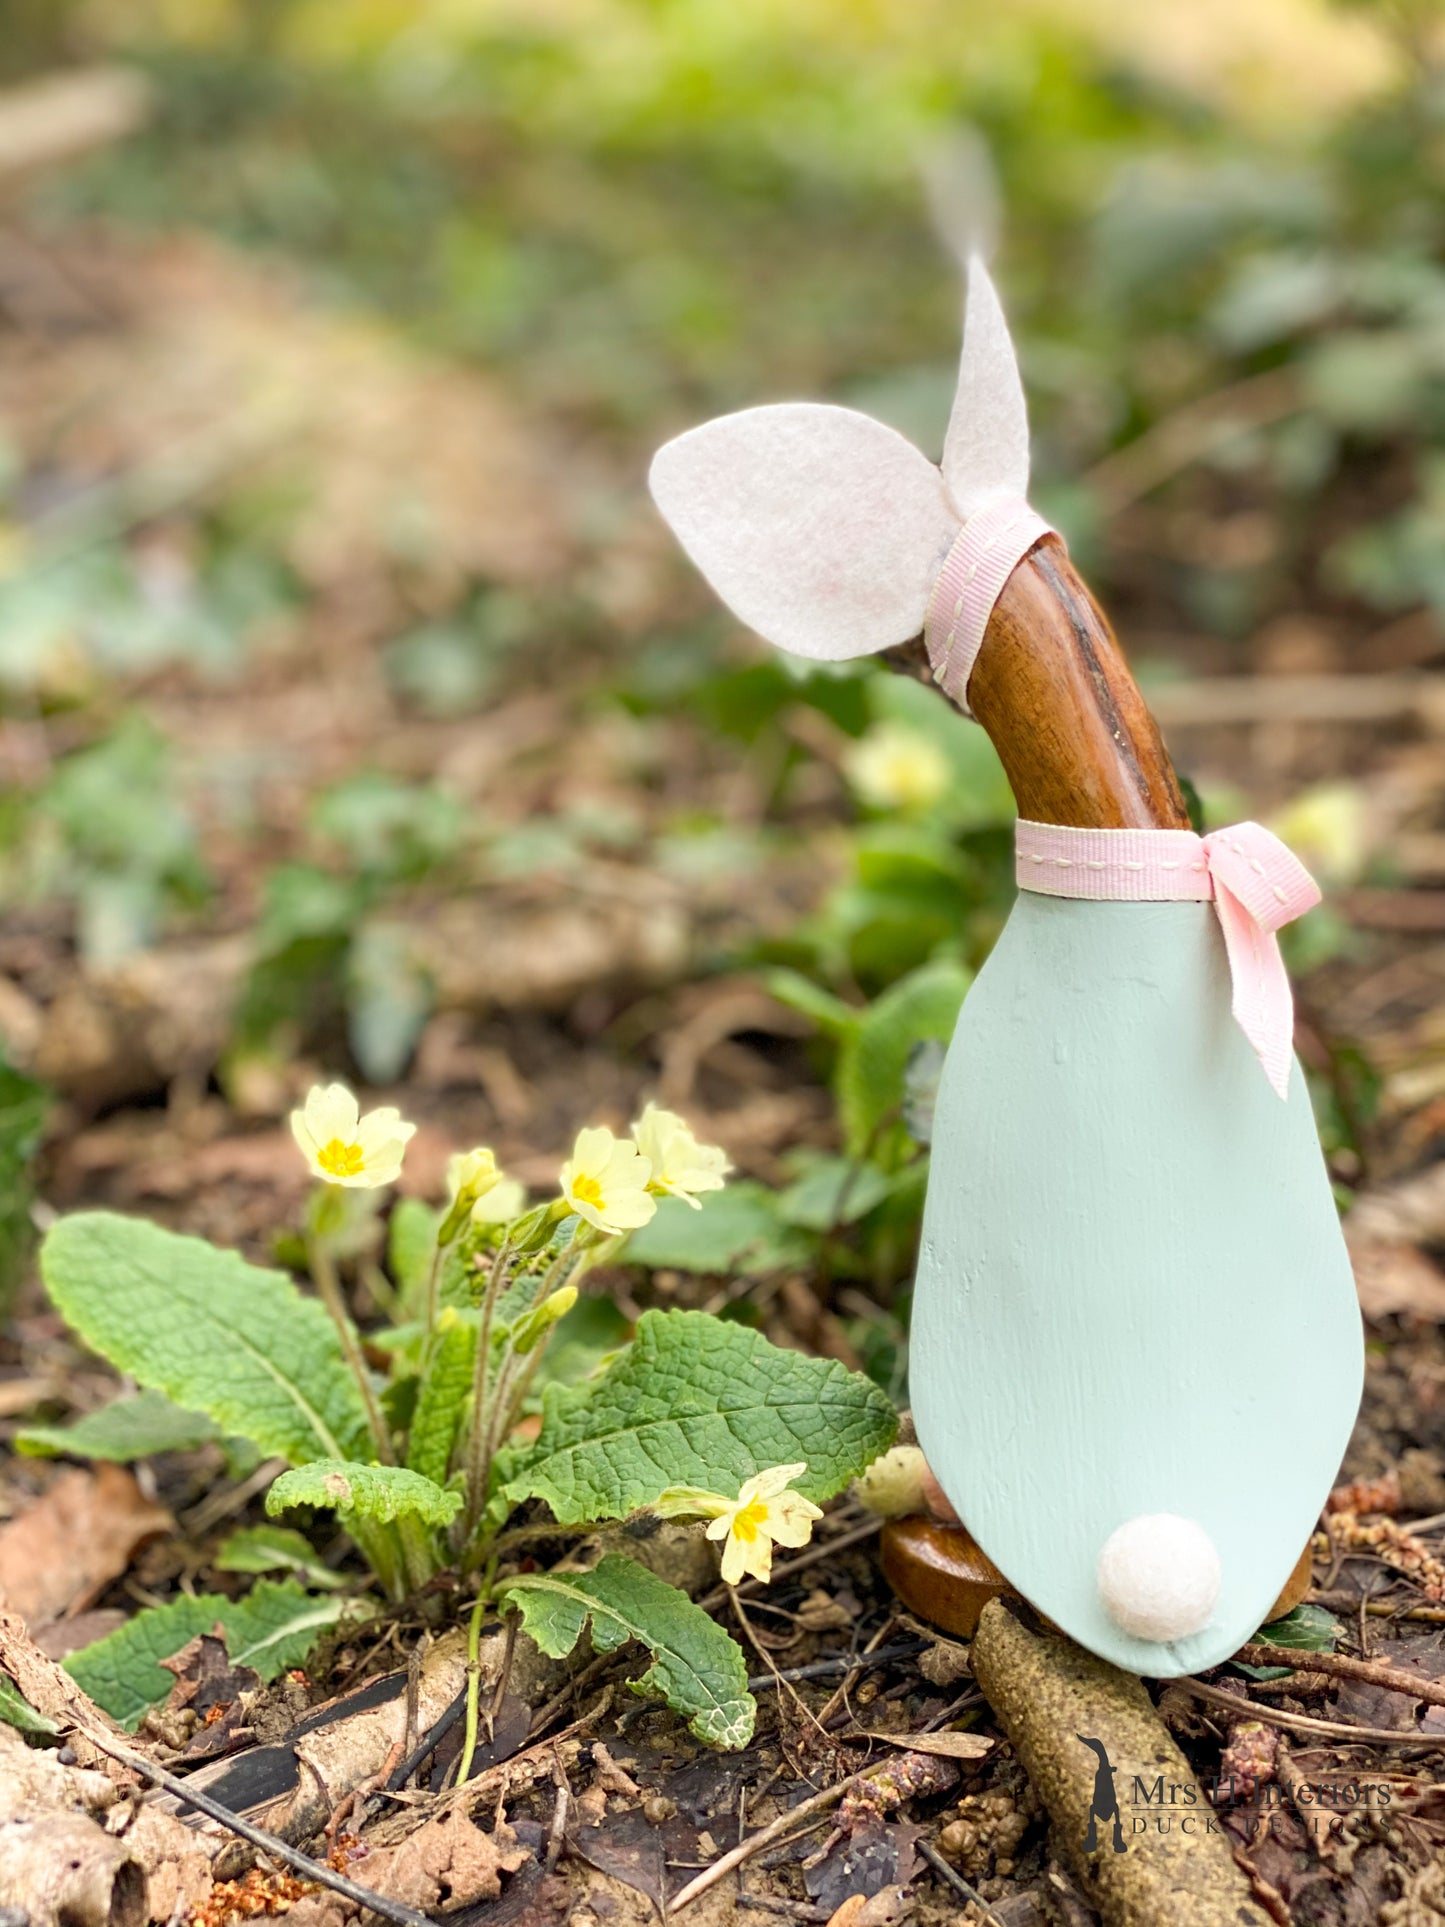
<point>657,209</point>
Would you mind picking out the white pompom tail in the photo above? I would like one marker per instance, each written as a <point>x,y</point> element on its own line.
<point>1159,1577</point>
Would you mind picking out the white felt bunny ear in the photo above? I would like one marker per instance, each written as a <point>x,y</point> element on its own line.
<point>986,450</point>
<point>820,527</point>
<point>833,537</point>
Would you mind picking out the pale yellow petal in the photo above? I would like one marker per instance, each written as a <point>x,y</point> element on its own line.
<point>382,1128</point>
<point>331,1112</point>
<point>507,1199</point>
<point>628,1210</point>
<point>754,1557</point>
<point>591,1152</point>
<point>766,1484</point>
<point>301,1131</point>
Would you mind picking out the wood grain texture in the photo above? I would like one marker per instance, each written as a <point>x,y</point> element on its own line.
<point>939,1572</point>
<point>1053,692</point>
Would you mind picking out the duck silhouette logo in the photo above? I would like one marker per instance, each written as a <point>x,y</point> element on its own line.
<point>1106,1799</point>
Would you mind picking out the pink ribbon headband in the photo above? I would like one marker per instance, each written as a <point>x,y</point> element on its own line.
<point>1255,883</point>
<point>985,553</point>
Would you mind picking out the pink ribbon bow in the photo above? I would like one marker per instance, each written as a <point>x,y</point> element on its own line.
<point>1256,884</point>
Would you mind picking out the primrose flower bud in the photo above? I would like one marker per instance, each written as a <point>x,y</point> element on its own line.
<point>535,1326</point>
<point>893,1485</point>
<point>479,1190</point>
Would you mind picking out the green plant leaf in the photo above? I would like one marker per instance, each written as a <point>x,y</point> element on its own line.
<point>873,1059</point>
<point>273,1628</point>
<point>694,1400</point>
<point>739,1229</point>
<point>276,1549</point>
<point>378,1494</point>
<point>695,1666</point>
<point>16,1711</point>
<point>800,993</point>
<point>217,1335</point>
<point>22,1117</point>
<point>128,1428</point>
<point>1308,1629</point>
<point>441,1402</point>
<point>833,1191</point>
<point>410,1241</point>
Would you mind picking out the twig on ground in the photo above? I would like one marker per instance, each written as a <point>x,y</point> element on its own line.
<point>840,1697</point>
<point>766,1657</point>
<point>1349,1602</point>
<point>1067,1712</point>
<point>1374,1671</point>
<point>557,1833</point>
<point>544,1714</point>
<point>953,1878</point>
<point>428,1743</point>
<point>775,1830</point>
<point>845,1663</point>
<point>1302,1723</point>
<point>290,1856</point>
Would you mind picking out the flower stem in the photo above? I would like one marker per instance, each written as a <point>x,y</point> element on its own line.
<point>474,1678</point>
<point>433,1296</point>
<point>479,1458</point>
<point>323,1271</point>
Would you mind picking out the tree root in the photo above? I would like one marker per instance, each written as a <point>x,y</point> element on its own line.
<point>1047,1692</point>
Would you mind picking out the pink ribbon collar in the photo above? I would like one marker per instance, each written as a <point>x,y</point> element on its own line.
<point>987,550</point>
<point>1255,883</point>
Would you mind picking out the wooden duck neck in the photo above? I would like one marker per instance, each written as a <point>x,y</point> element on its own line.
<point>1055,696</point>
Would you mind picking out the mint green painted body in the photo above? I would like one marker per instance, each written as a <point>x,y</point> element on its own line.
<point>1132,1291</point>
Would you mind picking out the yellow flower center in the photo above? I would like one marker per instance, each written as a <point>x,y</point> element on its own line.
<point>341,1160</point>
<point>750,1520</point>
<point>589,1191</point>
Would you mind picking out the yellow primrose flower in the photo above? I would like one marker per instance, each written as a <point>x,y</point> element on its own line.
<point>763,1515</point>
<point>342,1147</point>
<point>680,1165</point>
<point>1328,828</point>
<point>893,767</point>
<point>507,1199</point>
<point>605,1181</point>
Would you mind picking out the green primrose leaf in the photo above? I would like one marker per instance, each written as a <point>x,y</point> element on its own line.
<point>739,1229</point>
<point>128,1428</point>
<point>833,1191</point>
<point>217,1335</point>
<point>378,1494</point>
<point>696,1667</point>
<point>411,1240</point>
<point>873,1059</point>
<point>1308,1629</point>
<point>441,1402</point>
<point>694,1400</point>
<point>273,1628</point>
<point>16,1711</point>
<point>276,1549</point>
